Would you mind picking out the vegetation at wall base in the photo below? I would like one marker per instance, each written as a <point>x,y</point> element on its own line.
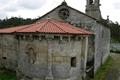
<point>7,75</point>
<point>103,70</point>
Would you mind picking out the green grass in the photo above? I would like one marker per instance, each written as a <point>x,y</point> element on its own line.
<point>102,72</point>
<point>7,75</point>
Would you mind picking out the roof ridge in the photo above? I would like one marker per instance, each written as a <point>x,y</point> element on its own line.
<point>23,27</point>
<point>39,28</point>
<point>69,26</point>
<point>73,27</point>
<point>76,28</point>
<point>59,27</point>
<point>83,30</point>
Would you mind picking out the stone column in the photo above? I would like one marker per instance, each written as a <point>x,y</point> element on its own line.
<point>49,75</point>
<point>84,56</point>
<point>86,51</point>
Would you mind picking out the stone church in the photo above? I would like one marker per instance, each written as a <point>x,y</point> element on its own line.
<point>64,44</point>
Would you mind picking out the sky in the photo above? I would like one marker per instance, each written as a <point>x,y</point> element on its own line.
<point>37,8</point>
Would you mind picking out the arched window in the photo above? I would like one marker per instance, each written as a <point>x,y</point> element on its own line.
<point>91,1</point>
<point>31,55</point>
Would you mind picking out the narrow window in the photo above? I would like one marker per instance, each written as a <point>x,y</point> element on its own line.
<point>4,58</point>
<point>73,62</point>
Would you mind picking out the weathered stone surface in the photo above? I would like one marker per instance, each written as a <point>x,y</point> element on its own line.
<point>17,54</point>
<point>8,49</point>
<point>61,55</point>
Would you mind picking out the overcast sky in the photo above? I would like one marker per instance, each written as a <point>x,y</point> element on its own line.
<point>36,8</point>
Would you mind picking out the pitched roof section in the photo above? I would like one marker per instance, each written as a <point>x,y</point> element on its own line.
<point>65,4</point>
<point>12,29</point>
<point>48,26</point>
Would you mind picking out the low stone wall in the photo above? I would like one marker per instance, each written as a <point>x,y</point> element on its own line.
<point>115,47</point>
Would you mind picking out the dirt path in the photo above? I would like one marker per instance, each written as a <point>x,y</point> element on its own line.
<point>114,73</point>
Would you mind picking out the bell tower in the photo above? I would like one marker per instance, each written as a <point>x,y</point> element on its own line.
<point>93,9</point>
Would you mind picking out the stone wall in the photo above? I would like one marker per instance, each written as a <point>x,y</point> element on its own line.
<point>102,45</point>
<point>8,49</point>
<point>115,47</point>
<point>53,57</point>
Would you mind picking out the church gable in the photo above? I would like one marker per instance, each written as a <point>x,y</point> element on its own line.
<point>68,14</point>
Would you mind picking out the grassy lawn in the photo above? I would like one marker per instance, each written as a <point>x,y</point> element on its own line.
<point>104,70</point>
<point>7,76</point>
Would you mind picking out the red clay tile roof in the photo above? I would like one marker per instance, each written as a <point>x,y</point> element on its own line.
<point>47,26</point>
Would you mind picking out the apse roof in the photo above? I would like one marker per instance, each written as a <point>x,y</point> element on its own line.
<point>48,26</point>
